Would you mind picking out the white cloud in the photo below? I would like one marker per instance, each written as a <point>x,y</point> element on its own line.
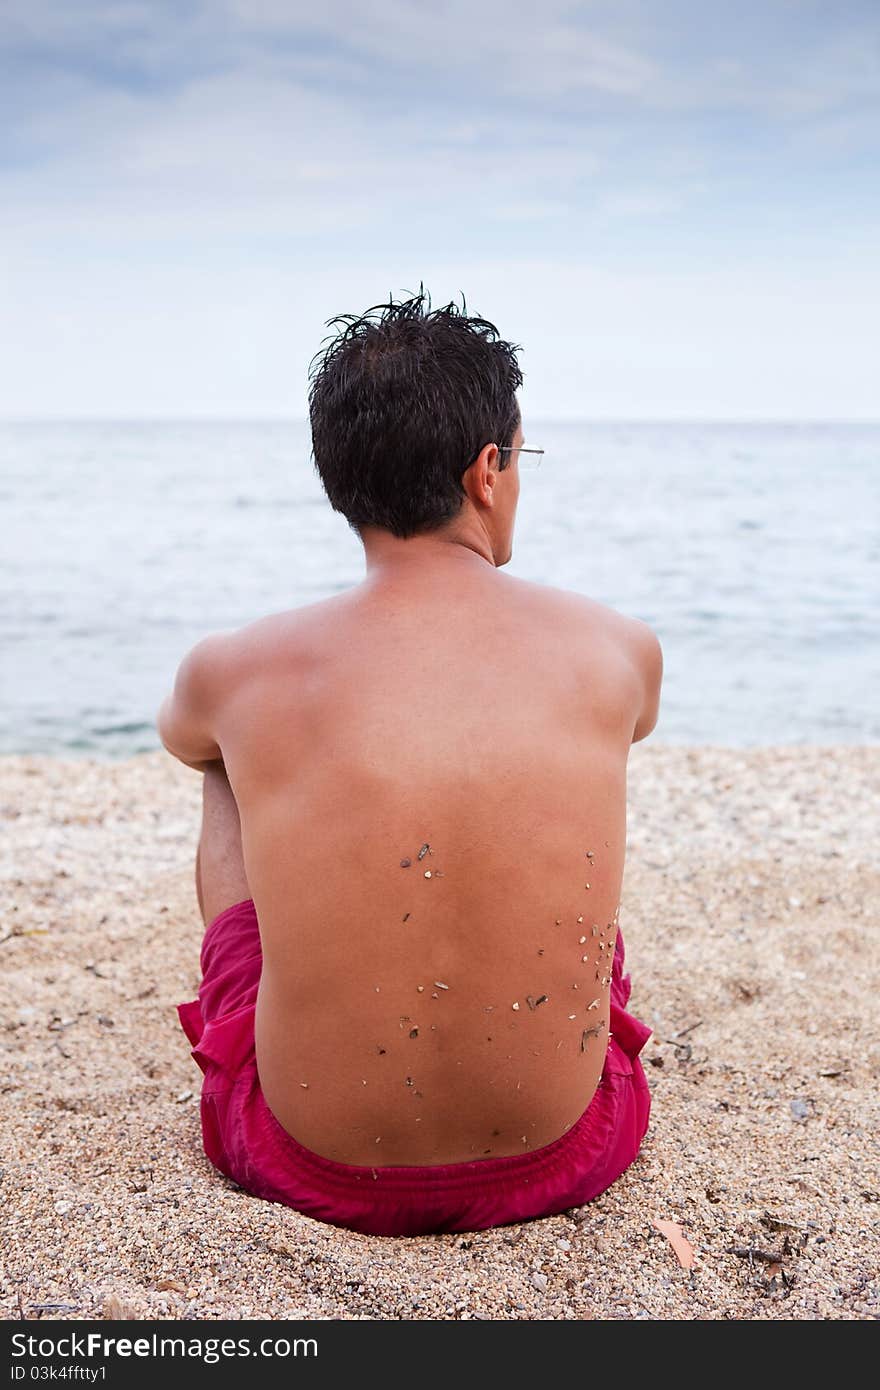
<point>511,45</point>
<point>637,203</point>
<point>193,190</point>
<point>249,153</point>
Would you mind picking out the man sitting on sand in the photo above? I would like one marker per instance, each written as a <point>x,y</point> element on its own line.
<point>412,1014</point>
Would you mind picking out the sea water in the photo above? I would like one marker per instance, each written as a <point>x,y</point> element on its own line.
<point>752,550</point>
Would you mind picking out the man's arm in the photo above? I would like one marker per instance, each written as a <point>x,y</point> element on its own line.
<point>185,720</point>
<point>649,662</point>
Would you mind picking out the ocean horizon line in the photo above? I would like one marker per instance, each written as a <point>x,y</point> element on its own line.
<point>743,422</point>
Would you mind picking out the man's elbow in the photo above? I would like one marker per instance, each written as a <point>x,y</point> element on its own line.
<point>651,667</point>
<point>162,718</point>
<point>645,725</point>
<point>185,720</point>
<point>165,730</point>
<point>163,721</point>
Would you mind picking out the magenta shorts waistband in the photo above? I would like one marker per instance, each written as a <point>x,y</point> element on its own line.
<point>510,1169</point>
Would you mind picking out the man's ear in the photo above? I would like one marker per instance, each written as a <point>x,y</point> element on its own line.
<point>489,460</point>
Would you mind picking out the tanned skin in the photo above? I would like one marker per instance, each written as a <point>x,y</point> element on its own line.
<point>422,1006</point>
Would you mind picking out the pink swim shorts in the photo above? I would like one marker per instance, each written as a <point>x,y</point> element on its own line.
<point>244,1140</point>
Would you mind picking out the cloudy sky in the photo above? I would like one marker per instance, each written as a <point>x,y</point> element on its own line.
<point>673,205</point>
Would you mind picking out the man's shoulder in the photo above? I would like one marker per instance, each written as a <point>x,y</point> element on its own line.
<point>625,648</point>
<point>216,658</point>
<point>264,634</point>
<point>584,614</point>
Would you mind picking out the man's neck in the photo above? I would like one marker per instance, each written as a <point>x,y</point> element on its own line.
<point>387,554</point>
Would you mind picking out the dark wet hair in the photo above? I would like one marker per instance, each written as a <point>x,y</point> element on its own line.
<point>402,400</point>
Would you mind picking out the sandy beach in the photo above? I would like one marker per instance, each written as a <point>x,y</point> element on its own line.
<point>749,910</point>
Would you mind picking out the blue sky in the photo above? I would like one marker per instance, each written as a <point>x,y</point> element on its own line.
<point>673,206</point>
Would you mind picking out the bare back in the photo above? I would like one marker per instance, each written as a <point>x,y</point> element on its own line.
<point>431,780</point>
